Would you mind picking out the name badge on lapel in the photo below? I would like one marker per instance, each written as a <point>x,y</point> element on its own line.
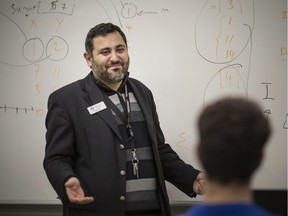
<point>96,108</point>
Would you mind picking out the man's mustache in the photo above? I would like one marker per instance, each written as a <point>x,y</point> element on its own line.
<point>115,64</point>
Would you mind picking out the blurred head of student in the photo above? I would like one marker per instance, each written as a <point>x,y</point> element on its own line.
<point>107,53</point>
<point>233,133</point>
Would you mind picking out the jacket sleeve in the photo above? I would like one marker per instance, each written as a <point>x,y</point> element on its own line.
<point>59,150</point>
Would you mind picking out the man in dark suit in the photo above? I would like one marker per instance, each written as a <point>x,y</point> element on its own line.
<point>105,151</point>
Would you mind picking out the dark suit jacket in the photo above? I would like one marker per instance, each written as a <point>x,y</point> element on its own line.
<point>88,146</point>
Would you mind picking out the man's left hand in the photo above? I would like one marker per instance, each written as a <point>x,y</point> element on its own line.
<point>199,184</point>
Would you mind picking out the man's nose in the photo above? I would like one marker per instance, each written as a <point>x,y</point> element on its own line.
<point>114,56</point>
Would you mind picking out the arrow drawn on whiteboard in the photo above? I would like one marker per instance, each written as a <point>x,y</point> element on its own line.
<point>140,13</point>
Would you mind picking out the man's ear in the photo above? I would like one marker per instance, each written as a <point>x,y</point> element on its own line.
<point>88,59</point>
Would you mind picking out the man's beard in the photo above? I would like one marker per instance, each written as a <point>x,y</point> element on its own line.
<point>110,77</point>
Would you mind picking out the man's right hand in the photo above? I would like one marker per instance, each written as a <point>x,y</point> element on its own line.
<point>75,192</point>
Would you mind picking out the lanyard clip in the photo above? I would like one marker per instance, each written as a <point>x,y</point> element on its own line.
<point>135,163</point>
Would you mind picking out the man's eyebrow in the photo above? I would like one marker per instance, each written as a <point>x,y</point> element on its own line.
<point>120,45</point>
<point>108,48</point>
<point>104,49</point>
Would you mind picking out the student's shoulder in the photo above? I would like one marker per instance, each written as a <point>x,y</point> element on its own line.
<point>196,211</point>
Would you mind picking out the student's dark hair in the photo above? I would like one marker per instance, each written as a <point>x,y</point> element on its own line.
<point>233,133</point>
<point>101,29</point>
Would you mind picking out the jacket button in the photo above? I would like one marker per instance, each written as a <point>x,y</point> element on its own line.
<point>122,198</point>
<point>121,146</point>
<point>122,172</point>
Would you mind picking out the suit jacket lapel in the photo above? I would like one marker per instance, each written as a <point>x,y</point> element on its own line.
<point>93,95</point>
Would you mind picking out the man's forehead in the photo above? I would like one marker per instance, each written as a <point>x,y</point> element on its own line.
<point>111,39</point>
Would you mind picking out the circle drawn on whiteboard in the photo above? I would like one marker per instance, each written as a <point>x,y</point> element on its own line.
<point>129,10</point>
<point>57,48</point>
<point>33,49</point>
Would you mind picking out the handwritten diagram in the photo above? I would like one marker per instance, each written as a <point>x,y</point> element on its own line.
<point>36,44</point>
<point>230,25</point>
<point>33,49</point>
<point>228,47</point>
<point>30,48</point>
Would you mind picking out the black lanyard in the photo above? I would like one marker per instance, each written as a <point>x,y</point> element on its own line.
<point>127,123</point>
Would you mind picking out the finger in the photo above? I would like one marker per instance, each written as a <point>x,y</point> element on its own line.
<point>202,182</point>
<point>82,200</point>
<point>86,200</point>
<point>201,189</point>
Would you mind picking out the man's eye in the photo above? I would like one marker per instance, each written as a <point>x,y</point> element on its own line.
<point>120,50</point>
<point>105,52</point>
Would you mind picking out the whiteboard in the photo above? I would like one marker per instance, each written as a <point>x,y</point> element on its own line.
<point>188,52</point>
